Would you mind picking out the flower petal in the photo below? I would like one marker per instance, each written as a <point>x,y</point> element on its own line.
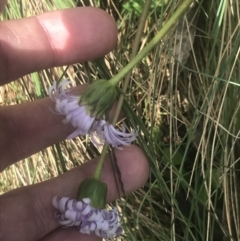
<point>68,105</point>
<point>87,219</point>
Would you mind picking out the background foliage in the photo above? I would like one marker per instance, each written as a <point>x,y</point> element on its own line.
<point>183,99</point>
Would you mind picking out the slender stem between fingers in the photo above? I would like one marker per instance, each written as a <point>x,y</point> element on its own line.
<point>98,171</point>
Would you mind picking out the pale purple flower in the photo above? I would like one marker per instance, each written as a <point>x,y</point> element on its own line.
<point>109,134</point>
<point>100,131</point>
<point>87,219</point>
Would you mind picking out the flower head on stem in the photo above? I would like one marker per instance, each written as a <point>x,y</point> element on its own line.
<point>87,219</point>
<point>88,212</point>
<point>83,112</point>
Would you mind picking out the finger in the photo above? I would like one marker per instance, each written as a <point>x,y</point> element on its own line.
<point>54,39</point>
<point>30,127</point>
<point>30,208</point>
<point>70,234</point>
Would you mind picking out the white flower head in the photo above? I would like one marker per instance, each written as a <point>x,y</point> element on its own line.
<point>87,219</point>
<point>77,114</point>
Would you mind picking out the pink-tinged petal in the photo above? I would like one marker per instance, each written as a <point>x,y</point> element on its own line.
<point>97,232</point>
<point>79,205</point>
<point>92,226</point>
<point>96,216</point>
<point>71,215</point>
<point>86,210</point>
<point>66,223</point>
<point>55,201</point>
<point>105,225</point>
<point>86,123</point>
<point>62,205</point>
<point>118,138</point>
<point>70,204</point>
<point>99,225</point>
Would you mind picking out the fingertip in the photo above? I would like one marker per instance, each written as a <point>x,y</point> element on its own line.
<point>134,166</point>
<point>134,171</point>
<point>70,233</point>
<point>82,33</point>
<point>111,36</point>
<point>57,38</point>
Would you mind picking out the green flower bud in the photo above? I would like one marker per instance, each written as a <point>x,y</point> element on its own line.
<point>99,98</point>
<point>95,190</point>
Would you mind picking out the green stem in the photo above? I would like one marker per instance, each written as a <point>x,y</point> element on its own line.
<point>135,48</point>
<point>98,170</point>
<point>135,60</point>
<point>180,11</point>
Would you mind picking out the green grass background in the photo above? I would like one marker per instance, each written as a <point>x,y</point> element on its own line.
<point>186,111</point>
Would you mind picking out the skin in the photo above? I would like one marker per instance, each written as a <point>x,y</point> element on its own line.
<point>56,38</point>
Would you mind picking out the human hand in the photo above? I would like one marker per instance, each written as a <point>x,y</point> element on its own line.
<point>31,44</point>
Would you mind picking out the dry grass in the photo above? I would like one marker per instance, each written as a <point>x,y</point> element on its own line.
<point>187,113</point>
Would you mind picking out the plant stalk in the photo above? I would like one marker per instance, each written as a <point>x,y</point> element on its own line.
<point>180,11</point>
<point>135,59</point>
<point>135,48</point>
<point>127,69</point>
<point>98,170</point>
